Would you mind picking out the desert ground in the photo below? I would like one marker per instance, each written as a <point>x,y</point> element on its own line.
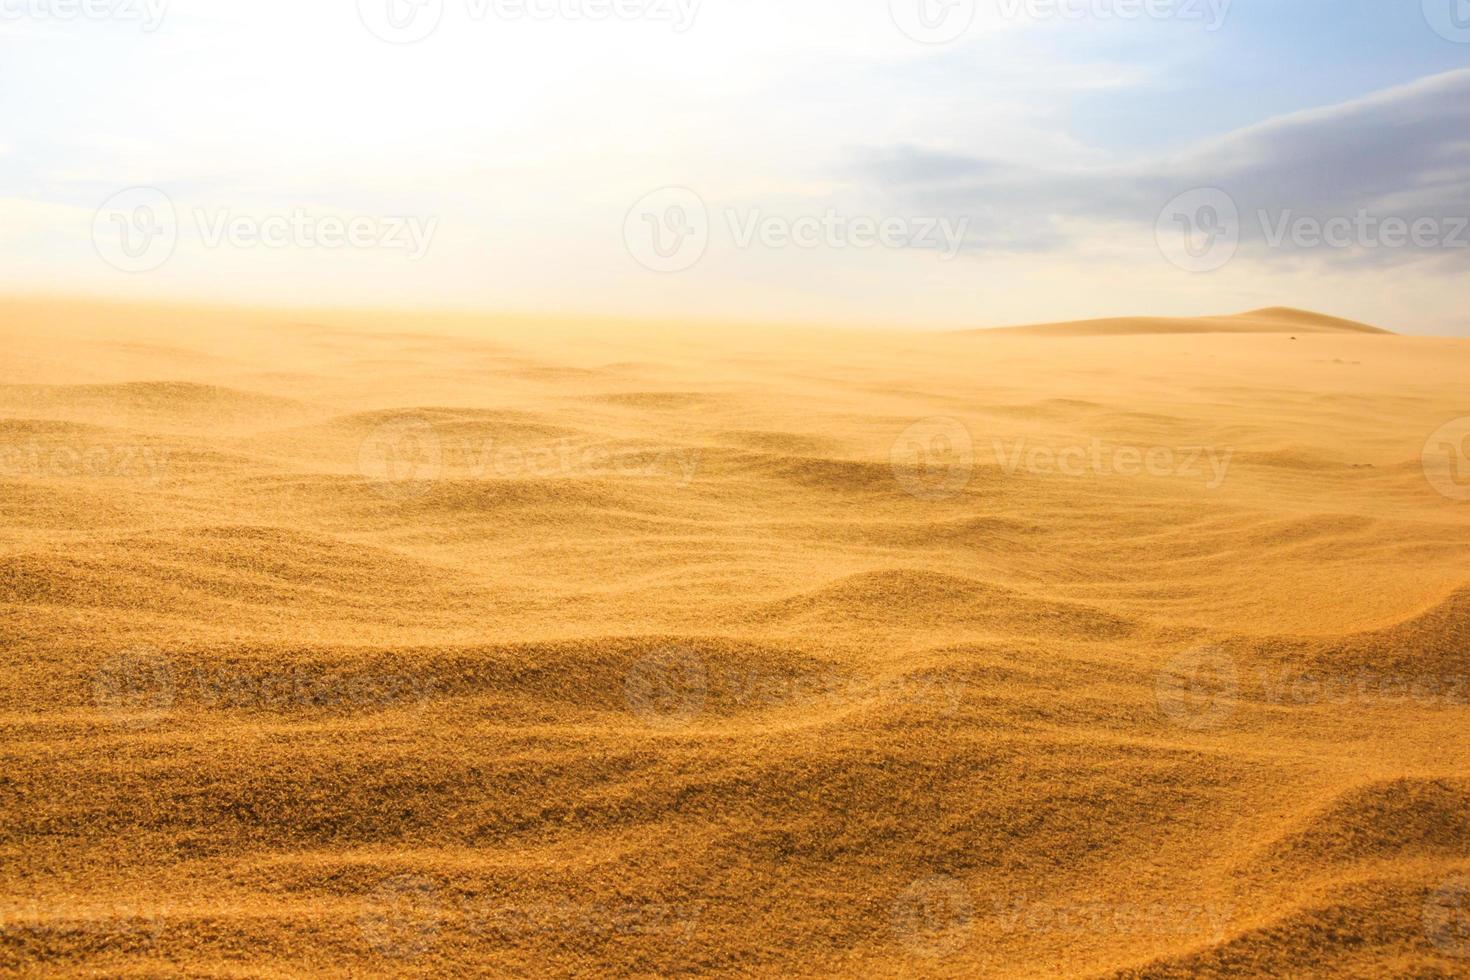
<point>351,644</point>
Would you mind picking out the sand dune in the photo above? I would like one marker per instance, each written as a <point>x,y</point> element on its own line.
<point>1277,319</point>
<point>1127,648</point>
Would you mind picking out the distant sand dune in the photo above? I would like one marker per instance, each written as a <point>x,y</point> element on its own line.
<point>1278,319</point>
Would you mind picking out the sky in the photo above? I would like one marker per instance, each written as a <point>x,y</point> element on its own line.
<point>913,164</point>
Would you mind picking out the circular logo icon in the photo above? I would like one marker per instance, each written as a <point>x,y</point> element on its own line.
<point>1199,231</point>
<point>402,458</point>
<point>1446,459</point>
<point>136,230</point>
<point>136,687</point>
<point>1197,689</point>
<point>1447,917</point>
<point>667,230</point>
<point>934,916</point>
<point>667,689</point>
<point>933,21</point>
<point>1449,18</point>
<point>402,917</point>
<point>401,21</point>
<point>934,459</point>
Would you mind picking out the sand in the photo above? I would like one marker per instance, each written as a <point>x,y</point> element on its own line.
<point>365,644</point>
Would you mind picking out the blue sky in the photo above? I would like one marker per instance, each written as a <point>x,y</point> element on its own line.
<point>1025,166</point>
<point>1272,57</point>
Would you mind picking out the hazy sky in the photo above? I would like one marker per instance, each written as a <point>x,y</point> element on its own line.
<point>911,163</point>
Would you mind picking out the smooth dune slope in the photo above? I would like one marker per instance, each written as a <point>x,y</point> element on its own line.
<point>372,644</point>
<point>1277,319</point>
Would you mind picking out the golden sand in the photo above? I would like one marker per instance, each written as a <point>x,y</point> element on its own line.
<point>368,644</point>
